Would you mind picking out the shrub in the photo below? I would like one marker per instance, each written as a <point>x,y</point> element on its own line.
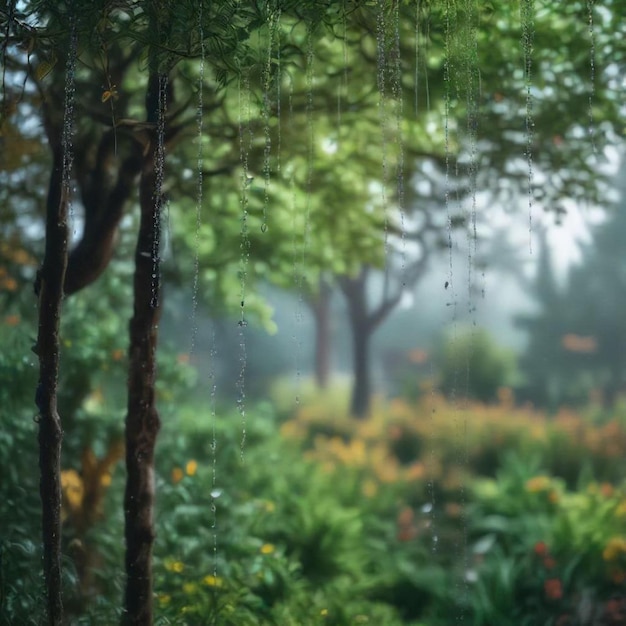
<point>472,365</point>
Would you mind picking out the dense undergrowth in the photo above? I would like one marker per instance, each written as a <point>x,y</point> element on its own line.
<point>425,514</point>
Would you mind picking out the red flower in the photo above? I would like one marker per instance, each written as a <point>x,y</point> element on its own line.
<point>549,562</point>
<point>553,589</point>
<point>541,549</point>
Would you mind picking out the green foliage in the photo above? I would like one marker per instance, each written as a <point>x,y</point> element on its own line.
<point>472,365</point>
<point>542,552</point>
<point>293,545</point>
<point>20,551</point>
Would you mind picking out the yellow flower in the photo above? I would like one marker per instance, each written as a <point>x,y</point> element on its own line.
<point>191,467</point>
<point>212,581</point>
<point>324,612</point>
<point>369,488</point>
<point>267,548</point>
<point>177,475</point>
<point>615,547</point>
<point>620,511</point>
<point>190,588</point>
<point>164,599</point>
<point>73,489</point>
<point>174,566</point>
<point>538,483</point>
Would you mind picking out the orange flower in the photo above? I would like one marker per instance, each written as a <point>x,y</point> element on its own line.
<point>177,475</point>
<point>406,533</point>
<point>12,320</point>
<point>537,484</point>
<point>606,489</point>
<point>553,589</point>
<point>406,528</point>
<point>614,549</point>
<point>9,283</point>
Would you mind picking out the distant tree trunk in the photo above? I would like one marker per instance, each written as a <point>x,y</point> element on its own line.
<point>321,312</point>
<point>50,289</point>
<point>363,324</point>
<point>361,390</point>
<point>142,420</point>
<point>613,386</point>
<point>354,290</point>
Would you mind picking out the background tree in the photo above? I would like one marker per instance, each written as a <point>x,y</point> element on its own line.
<point>576,337</point>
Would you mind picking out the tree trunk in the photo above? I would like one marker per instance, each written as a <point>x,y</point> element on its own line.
<point>355,291</point>
<point>50,289</point>
<point>142,420</point>
<point>321,312</point>
<point>361,390</point>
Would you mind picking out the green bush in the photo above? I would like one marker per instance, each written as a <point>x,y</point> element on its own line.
<point>543,553</point>
<point>472,365</point>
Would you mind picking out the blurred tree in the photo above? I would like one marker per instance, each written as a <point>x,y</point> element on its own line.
<point>577,338</point>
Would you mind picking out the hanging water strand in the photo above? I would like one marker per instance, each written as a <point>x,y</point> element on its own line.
<point>472,87</point>
<point>310,148</point>
<point>215,491</point>
<point>449,283</point>
<point>421,58</point>
<point>297,344</point>
<point>159,170</point>
<point>245,141</point>
<point>342,84</point>
<point>381,71</point>
<point>472,92</point>
<point>592,73</point>
<point>527,16</point>
<point>396,91</point>
<point>69,99</point>
<point>273,25</point>
<point>278,101</point>
<point>301,279</point>
<point>199,184</point>
<point>68,116</point>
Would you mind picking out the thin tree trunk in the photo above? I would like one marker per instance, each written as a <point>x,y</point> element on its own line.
<point>361,328</point>
<point>50,289</point>
<point>321,312</point>
<point>142,420</point>
<point>361,390</point>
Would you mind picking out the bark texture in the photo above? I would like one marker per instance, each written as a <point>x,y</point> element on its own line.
<point>50,283</point>
<point>142,419</point>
